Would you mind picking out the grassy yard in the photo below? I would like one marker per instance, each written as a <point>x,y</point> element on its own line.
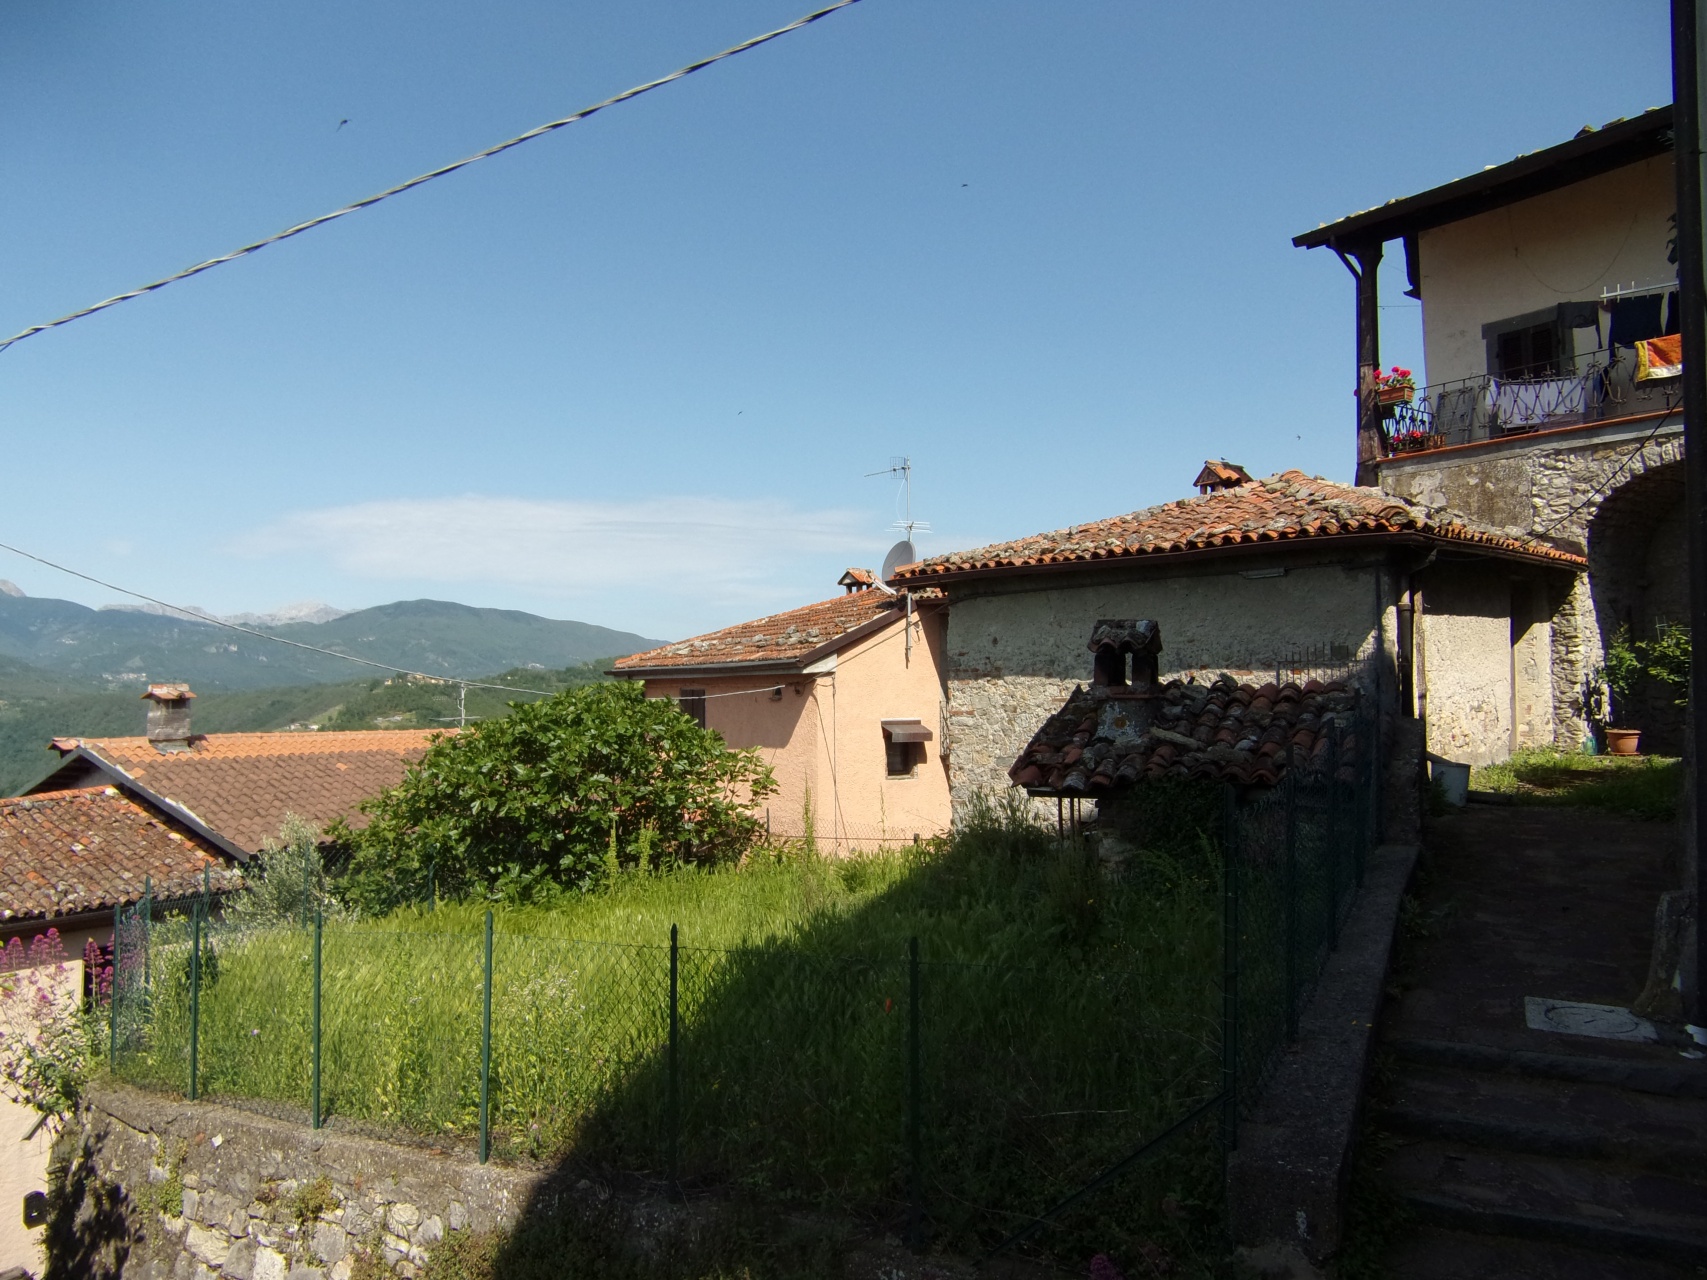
<point>1063,1019</point>
<point>1640,786</point>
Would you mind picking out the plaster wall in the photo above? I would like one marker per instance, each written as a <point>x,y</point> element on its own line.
<point>1016,648</point>
<point>861,807</point>
<point>823,738</point>
<point>1467,659</point>
<point>785,731</point>
<point>1564,246</point>
<point>25,1145</point>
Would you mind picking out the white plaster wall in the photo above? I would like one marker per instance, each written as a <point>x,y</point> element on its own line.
<point>1560,247</point>
<point>23,1164</point>
<point>1467,659</point>
<point>1014,656</point>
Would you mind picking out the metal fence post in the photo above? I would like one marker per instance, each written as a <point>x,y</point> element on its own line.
<point>113,991</point>
<point>195,990</point>
<point>915,1136</point>
<point>672,1106</point>
<point>147,933</point>
<point>1332,843</point>
<point>1229,972</point>
<point>486,1052</point>
<point>314,1101</point>
<point>1289,883</point>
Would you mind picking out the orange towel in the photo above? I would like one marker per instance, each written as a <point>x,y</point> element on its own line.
<point>1659,357</point>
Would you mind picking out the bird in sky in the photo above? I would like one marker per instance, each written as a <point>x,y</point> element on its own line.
<point>341,124</point>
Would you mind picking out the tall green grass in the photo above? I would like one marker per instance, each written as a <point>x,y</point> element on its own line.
<point>1064,1018</point>
<point>1646,787</point>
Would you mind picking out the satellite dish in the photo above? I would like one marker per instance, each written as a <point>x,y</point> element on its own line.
<point>903,552</point>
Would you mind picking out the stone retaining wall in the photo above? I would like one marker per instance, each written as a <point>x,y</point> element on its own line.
<point>158,1188</point>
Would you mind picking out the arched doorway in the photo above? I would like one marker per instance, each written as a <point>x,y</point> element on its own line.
<point>1639,578</point>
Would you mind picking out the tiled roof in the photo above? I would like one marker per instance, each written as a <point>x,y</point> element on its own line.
<point>65,852</point>
<point>779,638</point>
<point>1288,507</point>
<point>241,785</point>
<point>1225,730</point>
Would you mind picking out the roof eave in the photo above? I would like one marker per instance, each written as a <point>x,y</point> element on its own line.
<point>1578,159</point>
<point>1550,558</point>
<point>766,667</point>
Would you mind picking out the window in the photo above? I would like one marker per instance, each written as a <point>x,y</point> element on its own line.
<point>904,746</point>
<point>692,703</point>
<point>901,757</point>
<point>1527,353</point>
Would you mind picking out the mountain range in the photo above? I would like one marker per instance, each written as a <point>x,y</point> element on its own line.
<point>72,646</point>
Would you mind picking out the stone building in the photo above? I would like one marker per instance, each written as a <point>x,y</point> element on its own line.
<point>1251,578</point>
<point>1551,405</point>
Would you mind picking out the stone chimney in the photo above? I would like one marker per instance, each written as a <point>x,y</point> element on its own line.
<point>1219,474</point>
<point>169,716</point>
<point>1125,712</point>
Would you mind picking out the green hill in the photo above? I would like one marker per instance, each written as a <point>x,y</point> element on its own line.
<point>123,649</point>
<point>37,707</point>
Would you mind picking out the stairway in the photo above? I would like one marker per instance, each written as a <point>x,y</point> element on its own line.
<point>1520,1154</point>
<point>1536,1164</point>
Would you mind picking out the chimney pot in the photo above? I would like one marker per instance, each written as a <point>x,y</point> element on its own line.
<point>169,716</point>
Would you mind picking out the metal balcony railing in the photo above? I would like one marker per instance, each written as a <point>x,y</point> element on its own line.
<point>1597,386</point>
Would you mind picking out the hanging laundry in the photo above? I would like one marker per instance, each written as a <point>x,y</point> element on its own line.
<point>1673,315</point>
<point>1634,320</point>
<point>1660,357</point>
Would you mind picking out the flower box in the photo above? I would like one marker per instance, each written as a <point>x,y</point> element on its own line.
<point>1390,393</point>
<point>1417,441</point>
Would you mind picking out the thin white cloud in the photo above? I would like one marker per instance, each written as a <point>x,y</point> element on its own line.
<point>695,545</point>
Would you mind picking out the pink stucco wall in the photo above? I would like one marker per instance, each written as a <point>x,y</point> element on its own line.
<point>824,739</point>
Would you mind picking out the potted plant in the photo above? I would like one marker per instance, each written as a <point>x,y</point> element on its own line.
<point>1415,441</point>
<point>1618,674</point>
<point>1397,387</point>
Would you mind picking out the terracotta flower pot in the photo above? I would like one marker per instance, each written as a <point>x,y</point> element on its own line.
<point>1623,742</point>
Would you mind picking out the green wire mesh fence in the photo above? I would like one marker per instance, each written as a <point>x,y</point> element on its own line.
<point>965,1102</point>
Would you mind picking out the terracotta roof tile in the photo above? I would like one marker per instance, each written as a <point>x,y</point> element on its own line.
<point>1287,507</point>
<point>241,785</point>
<point>779,638</point>
<point>1226,731</point>
<point>63,852</point>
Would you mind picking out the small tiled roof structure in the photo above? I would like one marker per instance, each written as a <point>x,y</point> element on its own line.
<point>857,579</point>
<point>1218,473</point>
<point>234,789</point>
<point>1286,509</point>
<point>1226,731</point>
<point>66,853</point>
<point>781,642</point>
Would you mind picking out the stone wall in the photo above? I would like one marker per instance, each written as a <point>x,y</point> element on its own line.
<point>1016,648</point>
<point>1605,490</point>
<point>160,1189</point>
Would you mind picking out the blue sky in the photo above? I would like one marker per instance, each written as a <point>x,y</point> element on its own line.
<point>635,373</point>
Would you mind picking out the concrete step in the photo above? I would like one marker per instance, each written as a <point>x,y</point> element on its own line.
<point>1584,1204</point>
<point>1541,1116</point>
<point>1682,1079</point>
<point>1438,1253</point>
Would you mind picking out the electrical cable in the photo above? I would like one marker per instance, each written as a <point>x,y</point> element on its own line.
<point>192,616</point>
<point>400,188</point>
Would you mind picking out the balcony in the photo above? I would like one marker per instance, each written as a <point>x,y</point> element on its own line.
<point>1598,387</point>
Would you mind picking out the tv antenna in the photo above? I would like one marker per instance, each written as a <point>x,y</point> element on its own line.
<point>903,552</point>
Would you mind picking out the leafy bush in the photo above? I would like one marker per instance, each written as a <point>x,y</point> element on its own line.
<point>1628,662</point>
<point>46,1042</point>
<point>553,796</point>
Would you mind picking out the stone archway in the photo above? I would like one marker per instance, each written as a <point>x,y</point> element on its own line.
<point>1639,578</point>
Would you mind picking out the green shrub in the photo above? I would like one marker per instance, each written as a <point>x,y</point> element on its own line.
<point>554,796</point>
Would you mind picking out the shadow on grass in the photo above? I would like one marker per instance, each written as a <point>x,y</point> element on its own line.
<point>1063,1019</point>
<point>1646,787</point>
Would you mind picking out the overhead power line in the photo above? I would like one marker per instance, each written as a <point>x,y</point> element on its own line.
<point>194,616</point>
<point>420,180</point>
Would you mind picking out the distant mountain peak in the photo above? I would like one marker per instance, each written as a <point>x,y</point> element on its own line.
<point>11,589</point>
<point>301,611</point>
